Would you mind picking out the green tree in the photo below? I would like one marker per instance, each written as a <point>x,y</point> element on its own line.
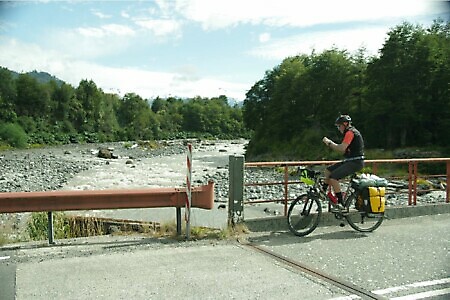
<point>137,118</point>
<point>407,97</point>
<point>90,98</point>
<point>33,99</point>
<point>193,116</point>
<point>7,96</point>
<point>297,101</point>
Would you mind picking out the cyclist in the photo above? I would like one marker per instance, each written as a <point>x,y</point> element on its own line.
<point>352,146</point>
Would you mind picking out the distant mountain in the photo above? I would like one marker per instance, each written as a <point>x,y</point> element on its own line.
<point>41,77</point>
<point>44,77</point>
<point>232,102</point>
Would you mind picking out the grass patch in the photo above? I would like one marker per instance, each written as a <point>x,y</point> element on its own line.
<point>4,239</point>
<point>200,233</point>
<point>66,226</point>
<point>4,147</point>
<point>7,236</point>
<point>149,144</point>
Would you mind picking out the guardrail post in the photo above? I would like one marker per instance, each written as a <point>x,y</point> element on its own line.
<point>286,192</point>
<point>178,209</point>
<point>410,182</point>
<point>236,189</point>
<point>51,231</point>
<point>447,194</point>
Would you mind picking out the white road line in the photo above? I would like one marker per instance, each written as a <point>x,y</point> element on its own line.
<point>4,257</point>
<point>350,297</point>
<point>406,287</point>
<point>411,285</point>
<point>424,295</point>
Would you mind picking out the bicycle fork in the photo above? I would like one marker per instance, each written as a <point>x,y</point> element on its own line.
<point>307,207</point>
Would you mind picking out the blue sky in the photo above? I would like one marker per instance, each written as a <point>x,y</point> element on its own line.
<point>188,48</point>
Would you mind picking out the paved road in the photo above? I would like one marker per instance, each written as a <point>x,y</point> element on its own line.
<point>403,257</point>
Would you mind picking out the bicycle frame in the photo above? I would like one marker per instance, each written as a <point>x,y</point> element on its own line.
<point>305,211</point>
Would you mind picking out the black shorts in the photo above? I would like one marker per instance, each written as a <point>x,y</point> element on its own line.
<point>345,168</point>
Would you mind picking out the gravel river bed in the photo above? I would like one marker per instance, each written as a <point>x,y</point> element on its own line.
<point>78,167</point>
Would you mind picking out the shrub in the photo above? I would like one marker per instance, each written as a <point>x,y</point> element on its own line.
<point>14,135</point>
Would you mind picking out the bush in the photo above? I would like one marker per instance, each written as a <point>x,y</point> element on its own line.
<point>14,135</point>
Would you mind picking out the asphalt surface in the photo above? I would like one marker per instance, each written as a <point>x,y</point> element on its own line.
<point>404,257</point>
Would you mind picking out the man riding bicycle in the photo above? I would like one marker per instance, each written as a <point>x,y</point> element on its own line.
<point>352,146</point>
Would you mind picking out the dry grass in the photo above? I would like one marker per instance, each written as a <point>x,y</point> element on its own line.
<point>66,226</point>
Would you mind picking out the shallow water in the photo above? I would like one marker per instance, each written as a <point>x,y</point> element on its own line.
<point>161,171</point>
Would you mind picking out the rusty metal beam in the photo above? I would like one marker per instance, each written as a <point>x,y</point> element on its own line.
<point>329,162</point>
<point>412,164</point>
<point>202,197</point>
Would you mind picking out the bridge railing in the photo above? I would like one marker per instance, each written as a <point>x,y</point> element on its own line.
<point>412,176</point>
<point>62,200</point>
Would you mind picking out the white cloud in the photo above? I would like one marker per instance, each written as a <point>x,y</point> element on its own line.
<point>106,30</point>
<point>295,13</point>
<point>148,84</point>
<point>370,38</point>
<point>100,15</point>
<point>264,37</point>
<point>125,14</point>
<point>160,27</point>
<point>90,42</point>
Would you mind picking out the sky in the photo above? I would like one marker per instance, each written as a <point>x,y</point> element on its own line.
<point>189,48</point>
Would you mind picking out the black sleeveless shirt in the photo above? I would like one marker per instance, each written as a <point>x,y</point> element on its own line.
<point>356,147</point>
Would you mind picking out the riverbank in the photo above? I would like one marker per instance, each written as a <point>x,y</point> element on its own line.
<point>78,167</point>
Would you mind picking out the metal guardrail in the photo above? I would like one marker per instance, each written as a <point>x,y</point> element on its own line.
<point>412,175</point>
<point>15,202</point>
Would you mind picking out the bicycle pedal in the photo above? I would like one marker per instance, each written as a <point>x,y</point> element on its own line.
<point>337,208</point>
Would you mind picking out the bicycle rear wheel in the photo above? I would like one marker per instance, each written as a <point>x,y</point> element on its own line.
<point>304,215</point>
<point>361,220</point>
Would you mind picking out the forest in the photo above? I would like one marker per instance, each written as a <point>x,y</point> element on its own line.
<point>33,112</point>
<point>397,99</point>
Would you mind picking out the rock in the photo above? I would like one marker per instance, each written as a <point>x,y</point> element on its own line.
<point>105,153</point>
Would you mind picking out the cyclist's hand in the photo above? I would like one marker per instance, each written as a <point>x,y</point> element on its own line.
<point>326,141</point>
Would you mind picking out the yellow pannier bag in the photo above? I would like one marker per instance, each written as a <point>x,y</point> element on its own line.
<point>375,200</point>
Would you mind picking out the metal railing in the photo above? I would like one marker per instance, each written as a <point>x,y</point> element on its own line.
<point>412,176</point>
<point>50,201</point>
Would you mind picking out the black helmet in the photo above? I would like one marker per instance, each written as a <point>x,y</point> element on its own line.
<point>343,118</point>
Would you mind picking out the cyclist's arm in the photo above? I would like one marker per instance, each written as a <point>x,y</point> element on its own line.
<point>344,144</point>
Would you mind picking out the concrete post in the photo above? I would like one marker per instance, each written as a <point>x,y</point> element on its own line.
<point>236,189</point>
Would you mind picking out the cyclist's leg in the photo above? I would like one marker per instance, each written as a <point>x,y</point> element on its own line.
<point>341,170</point>
<point>344,169</point>
<point>332,176</point>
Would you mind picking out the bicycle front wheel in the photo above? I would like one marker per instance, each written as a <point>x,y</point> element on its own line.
<point>361,220</point>
<point>304,215</point>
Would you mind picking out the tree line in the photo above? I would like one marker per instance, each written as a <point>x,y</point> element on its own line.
<point>35,112</point>
<point>397,99</point>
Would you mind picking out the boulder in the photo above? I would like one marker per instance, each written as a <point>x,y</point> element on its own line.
<point>106,153</point>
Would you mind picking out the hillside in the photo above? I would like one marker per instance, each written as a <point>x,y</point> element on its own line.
<point>41,77</point>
